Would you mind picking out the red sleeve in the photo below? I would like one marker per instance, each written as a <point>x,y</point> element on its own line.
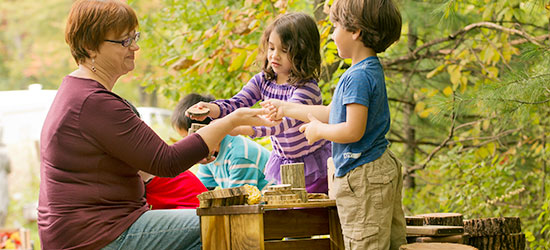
<point>107,121</point>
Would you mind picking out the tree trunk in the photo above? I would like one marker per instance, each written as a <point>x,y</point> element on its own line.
<point>408,112</point>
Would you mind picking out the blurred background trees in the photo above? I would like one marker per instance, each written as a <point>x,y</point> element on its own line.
<point>468,82</point>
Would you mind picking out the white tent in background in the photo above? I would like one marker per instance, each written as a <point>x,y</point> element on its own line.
<point>22,113</point>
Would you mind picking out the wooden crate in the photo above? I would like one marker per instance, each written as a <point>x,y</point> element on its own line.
<point>272,227</point>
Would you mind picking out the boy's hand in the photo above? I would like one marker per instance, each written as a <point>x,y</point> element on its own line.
<point>212,109</point>
<point>208,159</point>
<point>274,109</point>
<point>311,129</point>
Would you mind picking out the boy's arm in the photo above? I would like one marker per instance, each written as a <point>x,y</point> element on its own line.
<point>350,131</point>
<point>297,111</point>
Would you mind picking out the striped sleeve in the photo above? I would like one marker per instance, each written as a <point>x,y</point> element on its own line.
<point>206,177</point>
<point>309,94</point>
<point>244,171</point>
<point>247,97</point>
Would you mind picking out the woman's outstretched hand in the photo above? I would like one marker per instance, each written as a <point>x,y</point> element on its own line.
<point>202,110</point>
<point>252,117</point>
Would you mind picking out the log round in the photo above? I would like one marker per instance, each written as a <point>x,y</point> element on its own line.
<point>444,219</point>
<point>436,246</point>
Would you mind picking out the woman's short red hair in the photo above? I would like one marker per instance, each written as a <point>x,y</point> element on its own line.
<point>91,20</point>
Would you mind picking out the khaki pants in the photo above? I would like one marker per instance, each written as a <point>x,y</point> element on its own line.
<point>369,205</point>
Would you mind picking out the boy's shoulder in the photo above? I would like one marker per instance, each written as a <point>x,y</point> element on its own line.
<point>365,69</point>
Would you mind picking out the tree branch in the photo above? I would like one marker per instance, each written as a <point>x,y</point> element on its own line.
<point>438,148</point>
<point>415,54</point>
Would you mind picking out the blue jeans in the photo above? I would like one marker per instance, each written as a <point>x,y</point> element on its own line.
<point>161,229</point>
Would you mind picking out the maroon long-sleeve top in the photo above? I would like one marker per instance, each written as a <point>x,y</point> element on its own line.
<point>92,146</point>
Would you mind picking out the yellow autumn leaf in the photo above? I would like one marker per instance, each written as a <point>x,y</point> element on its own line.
<point>491,147</point>
<point>436,71</point>
<point>492,72</point>
<point>464,81</point>
<point>251,58</point>
<point>237,62</point>
<point>539,148</point>
<point>424,113</point>
<point>330,58</point>
<point>420,106</point>
<point>454,72</point>
<point>433,93</point>
<point>482,153</point>
<point>448,91</point>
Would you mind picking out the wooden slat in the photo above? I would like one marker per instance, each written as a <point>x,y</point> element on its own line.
<point>295,223</point>
<point>236,209</point>
<point>247,232</point>
<point>434,230</point>
<point>328,203</point>
<point>459,238</point>
<point>215,232</point>
<point>315,244</point>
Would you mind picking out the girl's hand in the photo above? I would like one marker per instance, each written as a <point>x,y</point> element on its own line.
<point>251,117</point>
<point>205,110</point>
<point>311,129</point>
<point>274,109</point>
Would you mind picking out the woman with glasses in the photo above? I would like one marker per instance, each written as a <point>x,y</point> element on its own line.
<point>92,147</point>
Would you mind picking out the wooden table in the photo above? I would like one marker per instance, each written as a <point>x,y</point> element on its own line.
<point>265,226</point>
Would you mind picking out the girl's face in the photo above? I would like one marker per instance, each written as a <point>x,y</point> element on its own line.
<point>277,57</point>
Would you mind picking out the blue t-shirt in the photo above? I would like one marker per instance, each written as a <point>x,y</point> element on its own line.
<point>363,83</point>
<point>240,161</point>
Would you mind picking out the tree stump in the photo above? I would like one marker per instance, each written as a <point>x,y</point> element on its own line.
<point>444,219</point>
<point>414,220</point>
<point>293,174</point>
<point>503,233</point>
<point>492,226</point>
<point>436,246</point>
<point>499,242</point>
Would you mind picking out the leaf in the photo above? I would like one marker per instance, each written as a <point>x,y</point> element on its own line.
<point>250,59</point>
<point>420,106</point>
<point>454,72</point>
<point>435,71</point>
<point>492,72</point>
<point>237,62</point>
<point>448,91</point>
<point>183,63</point>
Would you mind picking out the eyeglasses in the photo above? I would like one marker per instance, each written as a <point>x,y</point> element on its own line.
<point>126,42</point>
